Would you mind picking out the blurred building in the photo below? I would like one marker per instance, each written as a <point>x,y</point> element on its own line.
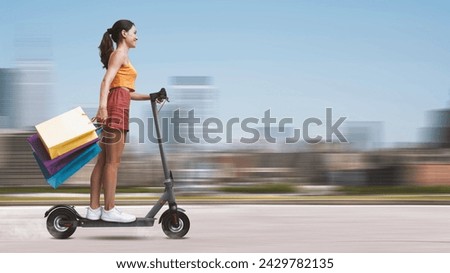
<point>364,135</point>
<point>437,133</point>
<point>8,82</point>
<point>26,90</point>
<point>193,98</point>
<point>25,94</point>
<point>34,88</point>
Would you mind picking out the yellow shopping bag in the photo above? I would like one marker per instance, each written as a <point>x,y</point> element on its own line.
<point>66,132</point>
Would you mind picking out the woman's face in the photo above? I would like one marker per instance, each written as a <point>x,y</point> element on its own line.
<point>130,37</point>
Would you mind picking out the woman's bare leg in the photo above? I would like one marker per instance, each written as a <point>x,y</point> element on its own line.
<point>96,178</point>
<point>113,143</point>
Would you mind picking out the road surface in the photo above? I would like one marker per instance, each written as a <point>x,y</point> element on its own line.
<point>246,228</point>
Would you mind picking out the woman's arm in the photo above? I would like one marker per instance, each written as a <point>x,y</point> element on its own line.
<point>116,60</point>
<point>137,96</point>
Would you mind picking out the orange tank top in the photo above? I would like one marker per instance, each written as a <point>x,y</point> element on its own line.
<point>125,77</point>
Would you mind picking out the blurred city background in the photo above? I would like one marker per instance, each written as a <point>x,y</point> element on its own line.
<point>203,167</point>
<point>398,135</point>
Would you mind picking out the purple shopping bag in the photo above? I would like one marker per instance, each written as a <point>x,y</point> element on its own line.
<point>82,157</point>
<point>52,166</point>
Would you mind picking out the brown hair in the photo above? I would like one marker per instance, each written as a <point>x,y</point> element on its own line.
<point>112,34</point>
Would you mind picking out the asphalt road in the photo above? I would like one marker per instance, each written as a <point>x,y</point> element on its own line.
<point>246,228</point>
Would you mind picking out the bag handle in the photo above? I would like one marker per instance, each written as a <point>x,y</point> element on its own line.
<point>98,125</point>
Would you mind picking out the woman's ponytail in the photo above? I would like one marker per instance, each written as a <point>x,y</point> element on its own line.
<point>106,48</point>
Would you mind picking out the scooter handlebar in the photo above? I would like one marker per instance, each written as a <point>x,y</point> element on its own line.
<point>159,96</point>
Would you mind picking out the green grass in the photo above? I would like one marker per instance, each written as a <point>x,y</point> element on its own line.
<point>383,190</point>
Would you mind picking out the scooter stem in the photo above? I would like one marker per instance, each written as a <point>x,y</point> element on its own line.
<point>154,98</point>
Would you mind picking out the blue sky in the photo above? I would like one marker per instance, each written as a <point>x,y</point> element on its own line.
<point>383,61</point>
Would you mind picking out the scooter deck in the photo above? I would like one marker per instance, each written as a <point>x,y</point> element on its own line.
<point>140,222</point>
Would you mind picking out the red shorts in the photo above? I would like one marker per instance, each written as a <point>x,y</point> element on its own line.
<point>118,108</point>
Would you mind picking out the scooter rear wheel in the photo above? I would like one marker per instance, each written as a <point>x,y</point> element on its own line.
<point>57,223</point>
<point>173,231</point>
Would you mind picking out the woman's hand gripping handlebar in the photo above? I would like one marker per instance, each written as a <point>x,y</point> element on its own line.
<point>160,96</point>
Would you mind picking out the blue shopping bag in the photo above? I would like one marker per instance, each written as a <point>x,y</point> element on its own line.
<point>85,155</point>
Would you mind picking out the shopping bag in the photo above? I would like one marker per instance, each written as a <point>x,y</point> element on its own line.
<point>66,132</point>
<point>85,155</point>
<point>52,166</point>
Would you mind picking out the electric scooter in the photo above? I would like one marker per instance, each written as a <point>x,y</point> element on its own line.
<point>63,220</point>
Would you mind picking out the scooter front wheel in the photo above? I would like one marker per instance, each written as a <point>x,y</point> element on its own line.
<point>171,229</point>
<point>60,223</point>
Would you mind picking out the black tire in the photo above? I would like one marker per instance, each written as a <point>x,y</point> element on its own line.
<point>54,226</point>
<point>172,231</point>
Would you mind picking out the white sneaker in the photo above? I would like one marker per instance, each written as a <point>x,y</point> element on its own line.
<point>94,214</point>
<point>115,215</point>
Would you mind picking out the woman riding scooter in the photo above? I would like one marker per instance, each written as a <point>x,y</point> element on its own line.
<point>116,91</point>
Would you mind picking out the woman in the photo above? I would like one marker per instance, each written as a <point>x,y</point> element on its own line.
<point>116,91</point>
